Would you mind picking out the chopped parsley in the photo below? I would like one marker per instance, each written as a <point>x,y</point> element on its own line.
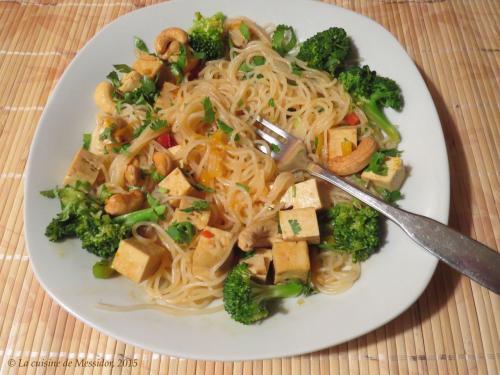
<point>271,103</point>
<point>209,116</point>
<point>156,176</point>
<point>245,31</point>
<point>182,233</point>
<point>243,186</point>
<point>297,70</point>
<point>122,68</point>
<point>200,187</point>
<point>52,193</point>
<point>87,138</point>
<point>140,45</point>
<point>275,148</point>
<point>258,60</point>
<point>158,124</point>
<point>123,149</point>
<point>377,161</point>
<point>295,226</point>
<point>107,134</point>
<point>227,129</point>
<point>390,196</point>
<point>198,205</point>
<point>114,79</point>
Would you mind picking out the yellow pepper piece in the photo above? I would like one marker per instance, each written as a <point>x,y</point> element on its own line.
<point>346,147</point>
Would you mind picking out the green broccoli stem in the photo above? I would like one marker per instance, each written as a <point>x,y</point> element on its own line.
<point>147,214</point>
<point>377,117</point>
<point>267,292</point>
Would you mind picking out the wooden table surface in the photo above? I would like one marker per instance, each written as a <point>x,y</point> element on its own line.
<point>452,329</point>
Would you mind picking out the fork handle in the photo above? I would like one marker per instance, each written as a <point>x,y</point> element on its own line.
<point>464,254</point>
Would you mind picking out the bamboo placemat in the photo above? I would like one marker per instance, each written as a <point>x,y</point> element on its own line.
<point>452,329</point>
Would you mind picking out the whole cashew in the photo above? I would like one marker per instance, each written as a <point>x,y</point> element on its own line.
<point>123,203</point>
<point>356,160</point>
<point>103,97</point>
<point>163,163</point>
<point>167,43</point>
<point>133,175</point>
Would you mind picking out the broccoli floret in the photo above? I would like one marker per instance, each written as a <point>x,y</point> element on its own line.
<point>351,227</point>
<point>99,235</point>
<point>206,36</point>
<point>83,216</point>
<point>245,299</point>
<point>326,50</point>
<point>372,93</point>
<point>283,39</point>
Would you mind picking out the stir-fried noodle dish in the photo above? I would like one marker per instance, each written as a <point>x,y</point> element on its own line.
<point>173,191</point>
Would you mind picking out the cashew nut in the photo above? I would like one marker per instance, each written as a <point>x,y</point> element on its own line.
<point>235,34</point>
<point>133,175</point>
<point>163,163</point>
<point>356,160</point>
<point>167,43</point>
<point>123,203</point>
<point>103,97</point>
<point>259,234</point>
<point>130,81</point>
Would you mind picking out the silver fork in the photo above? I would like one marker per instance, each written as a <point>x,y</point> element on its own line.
<point>464,254</point>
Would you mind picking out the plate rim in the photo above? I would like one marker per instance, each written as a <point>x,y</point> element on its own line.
<point>442,216</point>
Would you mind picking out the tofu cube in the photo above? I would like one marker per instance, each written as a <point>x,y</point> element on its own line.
<point>176,184</point>
<point>199,219</point>
<point>291,261</point>
<point>258,264</point>
<point>211,250</point>
<point>148,65</point>
<point>394,178</point>
<point>137,260</point>
<point>299,224</point>
<point>84,167</point>
<point>303,195</point>
<point>338,135</point>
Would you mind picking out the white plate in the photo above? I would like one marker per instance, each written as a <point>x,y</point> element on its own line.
<point>391,280</point>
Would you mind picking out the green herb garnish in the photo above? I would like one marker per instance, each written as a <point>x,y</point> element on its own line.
<point>209,116</point>
<point>243,186</point>
<point>294,224</point>
<point>245,31</point>
<point>140,45</point>
<point>182,233</point>
<point>87,138</point>
<point>198,205</point>
<point>199,186</point>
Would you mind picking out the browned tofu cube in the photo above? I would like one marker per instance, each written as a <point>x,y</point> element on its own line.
<point>176,184</point>
<point>199,218</point>
<point>291,261</point>
<point>302,195</point>
<point>299,224</point>
<point>84,167</point>
<point>137,260</point>
<point>258,264</point>
<point>213,247</point>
